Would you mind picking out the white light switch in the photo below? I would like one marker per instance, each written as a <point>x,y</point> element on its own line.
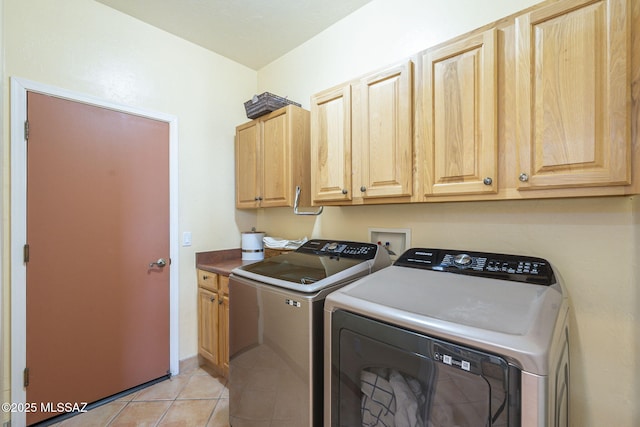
<point>186,238</point>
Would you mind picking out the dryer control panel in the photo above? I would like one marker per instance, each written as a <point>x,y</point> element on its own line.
<point>339,248</point>
<point>518,268</point>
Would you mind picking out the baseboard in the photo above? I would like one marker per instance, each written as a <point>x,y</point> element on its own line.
<point>189,364</point>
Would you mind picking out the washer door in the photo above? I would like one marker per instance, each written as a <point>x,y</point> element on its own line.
<point>385,375</point>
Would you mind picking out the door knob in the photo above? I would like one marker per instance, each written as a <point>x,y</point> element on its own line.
<point>159,263</point>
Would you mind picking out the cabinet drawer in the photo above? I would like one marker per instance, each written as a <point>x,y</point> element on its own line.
<point>208,280</point>
<point>224,284</point>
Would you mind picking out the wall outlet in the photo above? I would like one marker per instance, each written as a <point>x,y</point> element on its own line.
<point>395,240</point>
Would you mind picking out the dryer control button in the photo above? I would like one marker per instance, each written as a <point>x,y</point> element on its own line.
<point>463,260</point>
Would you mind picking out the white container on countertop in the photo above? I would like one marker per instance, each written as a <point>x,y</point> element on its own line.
<point>252,245</point>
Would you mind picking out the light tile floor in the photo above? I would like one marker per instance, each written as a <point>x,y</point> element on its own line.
<point>194,399</point>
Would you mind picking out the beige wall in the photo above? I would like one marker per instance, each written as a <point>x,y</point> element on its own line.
<point>593,242</point>
<point>83,46</point>
<point>86,47</point>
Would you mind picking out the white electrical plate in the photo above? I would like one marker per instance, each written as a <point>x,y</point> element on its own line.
<point>398,239</point>
<point>186,238</point>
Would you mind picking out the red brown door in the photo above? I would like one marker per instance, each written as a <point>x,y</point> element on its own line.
<point>97,216</point>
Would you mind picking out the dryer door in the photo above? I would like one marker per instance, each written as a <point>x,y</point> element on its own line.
<point>385,375</point>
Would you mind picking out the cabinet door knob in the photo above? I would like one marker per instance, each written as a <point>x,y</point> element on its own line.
<point>363,188</point>
<point>344,191</point>
<point>212,299</point>
<point>523,177</point>
<point>488,181</point>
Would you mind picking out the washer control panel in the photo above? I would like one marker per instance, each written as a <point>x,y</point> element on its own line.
<point>339,248</point>
<point>517,268</point>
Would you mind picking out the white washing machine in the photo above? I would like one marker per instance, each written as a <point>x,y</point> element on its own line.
<point>449,338</point>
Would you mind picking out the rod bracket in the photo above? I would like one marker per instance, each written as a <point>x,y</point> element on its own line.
<point>297,201</point>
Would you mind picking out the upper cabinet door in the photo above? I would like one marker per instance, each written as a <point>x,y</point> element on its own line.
<point>383,133</point>
<point>277,169</point>
<point>248,165</point>
<point>573,94</point>
<point>331,145</point>
<point>460,96</point>
<point>272,159</point>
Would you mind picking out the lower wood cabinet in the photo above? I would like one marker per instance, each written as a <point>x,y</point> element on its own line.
<point>213,320</point>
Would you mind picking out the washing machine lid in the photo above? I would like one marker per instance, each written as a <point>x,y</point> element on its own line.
<point>316,265</point>
<point>481,303</point>
<point>508,316</point>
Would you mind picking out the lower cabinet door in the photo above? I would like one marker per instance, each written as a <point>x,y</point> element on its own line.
<point>224,334</point>
<point>208,326</point>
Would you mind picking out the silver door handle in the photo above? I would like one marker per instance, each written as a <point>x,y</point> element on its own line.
<point>159,263</point>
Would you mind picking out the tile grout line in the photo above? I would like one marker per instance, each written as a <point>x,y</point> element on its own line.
<point>133,400</point>
<point>164,414</point>
<point>138,398</point>
<point>116,414</point>
<point>213,411</point>
<point>191,374</point>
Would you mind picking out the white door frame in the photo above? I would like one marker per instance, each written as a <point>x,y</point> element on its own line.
<point>19,89</point>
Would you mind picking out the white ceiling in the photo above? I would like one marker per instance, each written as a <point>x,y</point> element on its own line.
<point>251,32</point>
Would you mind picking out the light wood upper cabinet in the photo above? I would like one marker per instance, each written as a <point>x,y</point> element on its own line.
<point>535,105</point>
<point>573,95</point>
<point>362,138</point>
<point>382,113</point>
<point>272,158</point>
<point>331,145</point>
<point>459,103</point>
<point>248,166</point>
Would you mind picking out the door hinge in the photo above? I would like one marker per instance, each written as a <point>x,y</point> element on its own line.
<point>26,130</point>
<point>25,376</point>
<point>25,253</point>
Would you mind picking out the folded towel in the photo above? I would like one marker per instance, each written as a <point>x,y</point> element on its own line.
<point>279,243</point>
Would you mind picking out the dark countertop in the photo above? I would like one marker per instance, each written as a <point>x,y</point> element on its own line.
<point>220,262</point>
<point>223,261</point>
